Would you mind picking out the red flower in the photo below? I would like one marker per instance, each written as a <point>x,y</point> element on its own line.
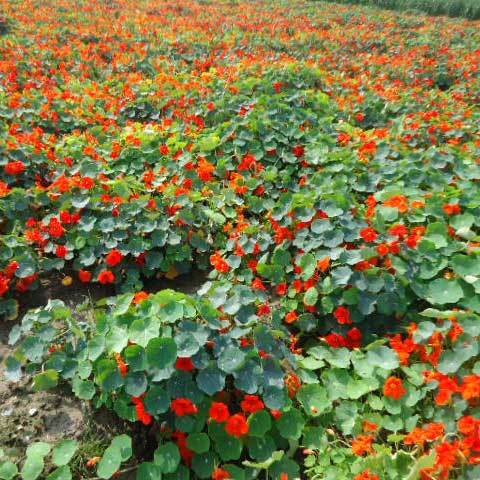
<point>342,314</point>
<point>258,284</point>
<point>298,150</point>
<point>85,276</point>
<point>383,249</point>
<point>354,338</point>
<point>4,284</point>
<point>106,276</point>
<point>114,258</point>
<point>219,412</point>
<point>237,425</point>
<point>219,263</point>
<point>452,208</point>
<point>15,168</point>
<point>185,364</point>
<point>369,234</point>
<point>55,228</point>
<point>398,230</point>
<point>220,474</point>
<point>183,407</point>
<point>252,404</point>
<point>142,415</point>
<point>164,150</point>
<point>185,452</point>
<point>61,251</point>
<point>394,388</point>
<point>87,183</point>
<point>263,309</point>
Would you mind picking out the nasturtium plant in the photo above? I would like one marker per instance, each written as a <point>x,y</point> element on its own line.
<point>316,165</point>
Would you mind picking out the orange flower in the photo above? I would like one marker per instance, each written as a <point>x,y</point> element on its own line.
<point>394,388</point>
<point>291,317</point>
<point>362,445</point>
<point>323,264</point>
<point>471,387</point>
<point>366,475</point>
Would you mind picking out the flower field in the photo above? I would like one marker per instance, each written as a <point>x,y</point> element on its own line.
<point>318,164</point>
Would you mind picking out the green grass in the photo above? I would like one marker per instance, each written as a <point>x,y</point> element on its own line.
<point>454,8</point>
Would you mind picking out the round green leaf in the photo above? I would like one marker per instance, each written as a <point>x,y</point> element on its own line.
<point>442,291</point>
<point>161,352</point>
<point>290,424</point>
<point>259,423</point>
<point>63,452</point>
<point>167,457</point>
<point>211,380</point>
<point>198,442</point>
<point>62,473</point>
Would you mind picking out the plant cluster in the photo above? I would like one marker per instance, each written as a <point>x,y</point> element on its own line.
<point>322,166</point>
<point>454,8</point>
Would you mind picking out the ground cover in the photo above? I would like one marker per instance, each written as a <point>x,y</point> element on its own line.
<point>308,171</point>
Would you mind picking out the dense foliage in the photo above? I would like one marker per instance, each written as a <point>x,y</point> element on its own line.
<point>454,8</point>
<point>321,165</point>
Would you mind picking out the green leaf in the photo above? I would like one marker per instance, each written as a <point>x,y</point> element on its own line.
<point>466,265</point>
<point>123,443</point>
<point>40,449</point>
<point>345,416</point>
<point>167,457</point>
<point>122,303</point>
<point>83,389</point>
<point>437,234</point>
<point>203,464</point>
<point>148,471</point>
<point>314,399</point>
<point>442,291</point>
<point>109,463</point>
<point>142,330</point>
<point>198,442</point>
<point>46,380</point>
<point>424,462</point>
<point>282,257</point>
<point>187,344</point>
<point>13,371</point>
<point>261,448</point>
<point>116,339</point>
<point>62,473</point>
<point>161,352</point>
<point>8,470</point>
<point>290,424</point>
<point>308,265</point>
<point>452,360</point>
<point>211,380</point>
<point>157,400</point>
<point>135,383</point>
<point>32,468</point>
<point>96,346</point>
<point>228,447</point>
<point>63,452</point>
<point>383,357</point>
<point>259,423</point>
<point>231,359</point>
<point>311,296</point>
